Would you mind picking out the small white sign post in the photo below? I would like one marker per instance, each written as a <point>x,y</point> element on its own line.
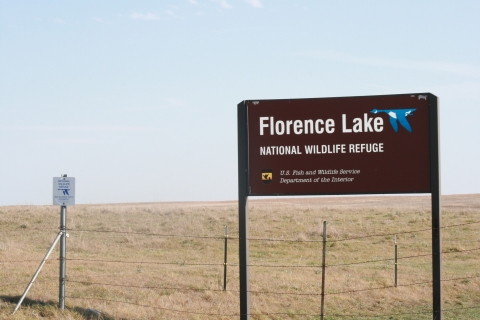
<point>63,196</point>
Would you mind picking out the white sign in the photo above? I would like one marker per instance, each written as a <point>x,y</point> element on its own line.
<point>63,191</point>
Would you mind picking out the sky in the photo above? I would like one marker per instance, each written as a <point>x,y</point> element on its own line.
<point>138,99</point>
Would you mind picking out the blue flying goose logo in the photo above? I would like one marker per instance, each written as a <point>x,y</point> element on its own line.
<point>399,115</point>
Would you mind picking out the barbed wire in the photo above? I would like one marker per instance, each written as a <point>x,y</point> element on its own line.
<point>460,224</point>
<point>23,284</point>
<point>237,238</point>
<point>290,314</point>
<point>23,229</point>
<point>149,287</point>
<point>378,288</point>
<point>278,240</point>
<point>25,260</point>
<point>148,262</point>
<point>194,289</point>
<point>379,260</point>
<point>401,285</point>
<point>398,258</point>
<point>283,266</point>
<point>271,292</point>
<point>148,234</point>
<point>464,278</point>
<point>377,315</point>
<point>460,251</point>
<point>453,240</point>
<point>273,313</point>
<point>184,263</point>
<point>359,237</point>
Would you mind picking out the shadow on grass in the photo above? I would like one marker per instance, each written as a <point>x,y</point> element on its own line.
<point>47,306</point>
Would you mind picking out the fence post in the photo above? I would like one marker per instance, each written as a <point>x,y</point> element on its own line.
<point>225,261</point>
<point>396,261</point>
<point>63,254</point>
<point>323,268</point>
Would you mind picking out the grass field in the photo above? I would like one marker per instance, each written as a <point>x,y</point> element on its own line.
<point>165,260</point>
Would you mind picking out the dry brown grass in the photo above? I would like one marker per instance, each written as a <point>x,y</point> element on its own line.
<point>166,264</point>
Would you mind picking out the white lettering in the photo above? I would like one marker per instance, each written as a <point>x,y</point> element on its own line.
<point>298,127</point>
<point>344,124</point>
<point>308,124</point>
<point>280,127</point>
<point>319,129</point>
<point>367,123</point>
<point>319,126</point>
<point>365,147</point>
<point>262,124</point>
<point>378,124</point>
<point>330,126</point>
<point>288,124</point>
<point>279,150</point>
<point>357,127</point>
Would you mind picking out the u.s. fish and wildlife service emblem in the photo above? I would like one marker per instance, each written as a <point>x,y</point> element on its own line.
<point>267,175</point>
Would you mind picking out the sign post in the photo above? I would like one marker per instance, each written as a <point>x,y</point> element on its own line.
<point>436,210</point>
<point>63,195</point>
<point>243,212</point>
<point>337,146</point>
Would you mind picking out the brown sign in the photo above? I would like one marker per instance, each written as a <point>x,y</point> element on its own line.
<point>352,145</point>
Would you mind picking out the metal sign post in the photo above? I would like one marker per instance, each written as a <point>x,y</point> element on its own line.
<point>243,212</point>
<point>436,209</point>
<point>324,251</point>
<point>63,196</point>
<point>63,257</point>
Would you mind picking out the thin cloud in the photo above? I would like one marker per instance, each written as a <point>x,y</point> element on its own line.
<point>193,2</point>
<point>254,3</point>
<point>144,17</point>
<point>223,3</point>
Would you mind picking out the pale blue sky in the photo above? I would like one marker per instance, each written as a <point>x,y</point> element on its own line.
<point>137,99</point>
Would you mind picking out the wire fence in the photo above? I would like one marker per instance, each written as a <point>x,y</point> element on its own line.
<point>254,265</point>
